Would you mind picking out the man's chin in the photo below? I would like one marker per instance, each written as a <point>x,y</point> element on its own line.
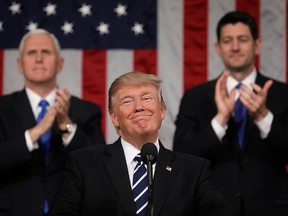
<point>237,69</point>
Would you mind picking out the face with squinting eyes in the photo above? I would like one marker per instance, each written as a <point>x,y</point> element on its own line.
<point>137,110</point>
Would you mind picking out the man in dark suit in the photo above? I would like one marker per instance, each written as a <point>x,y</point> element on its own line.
<point>99,179</point>
<point>28,182</point>
<point>249,169</point>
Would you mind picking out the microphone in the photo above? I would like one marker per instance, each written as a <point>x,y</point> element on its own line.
<point>149,153</point>
<point>149,156</point>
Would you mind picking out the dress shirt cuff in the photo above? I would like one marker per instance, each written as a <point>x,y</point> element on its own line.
<point>265,125</point>
<point>67,139</point>
<point>218,129</point>
<point>30,145</point>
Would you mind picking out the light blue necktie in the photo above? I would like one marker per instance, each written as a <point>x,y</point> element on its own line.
<point>45,142</point>
<point>140,187</point>
<point>240,117</point>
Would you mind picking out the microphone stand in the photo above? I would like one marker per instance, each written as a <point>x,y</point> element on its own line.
<point>150,185</point>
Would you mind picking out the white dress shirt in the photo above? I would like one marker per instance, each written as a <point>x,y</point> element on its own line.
<point>264,125</point>
<point>130,152</point>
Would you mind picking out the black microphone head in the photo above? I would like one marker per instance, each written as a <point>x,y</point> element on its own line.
<point>149,152</point>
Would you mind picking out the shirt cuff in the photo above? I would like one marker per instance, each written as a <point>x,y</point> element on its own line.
<point>218,129</point>
<point>30,145</point>
<point>265,125</point>
<point>67,139</point>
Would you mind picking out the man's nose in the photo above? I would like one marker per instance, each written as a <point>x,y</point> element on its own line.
<point>235,45</point>
<point>39,57</point>
<point>138,105</point>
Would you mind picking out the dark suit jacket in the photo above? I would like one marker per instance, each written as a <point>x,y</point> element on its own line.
<point>255,175</point>
<point>97,183</point>
<point>24,180</point>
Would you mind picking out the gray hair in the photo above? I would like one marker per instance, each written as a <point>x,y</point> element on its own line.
<point>36,32</point>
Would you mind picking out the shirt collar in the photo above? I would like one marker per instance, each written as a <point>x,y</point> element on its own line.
<point>34,99</point>
<point>231,82</point>
<point>131,151</point>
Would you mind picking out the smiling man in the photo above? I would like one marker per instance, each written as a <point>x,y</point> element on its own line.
<point>101,180</point>
<point>137,111</point>
<point>240,122</point>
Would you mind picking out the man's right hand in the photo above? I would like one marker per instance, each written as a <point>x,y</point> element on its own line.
<point>225,103</point>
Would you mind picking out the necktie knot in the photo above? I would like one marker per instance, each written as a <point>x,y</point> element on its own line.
<point>43,103</point>
<point>238,86</point>
<point>137,158</point>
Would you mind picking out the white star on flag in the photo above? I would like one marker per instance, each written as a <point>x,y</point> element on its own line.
<point>15,8</point>
<point>67,28</point>
<point>85,10</point>
<point>138,28</point>
<point>32,26</point>
<point>120,10</point>
<point>103,28</point>
<point>50,9</point>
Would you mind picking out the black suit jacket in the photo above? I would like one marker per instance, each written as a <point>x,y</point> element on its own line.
<point>24,180</point>
<point>254,177</point>
<point>96,182</point>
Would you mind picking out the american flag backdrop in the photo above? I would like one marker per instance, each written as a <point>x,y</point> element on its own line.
<point>102,39</point>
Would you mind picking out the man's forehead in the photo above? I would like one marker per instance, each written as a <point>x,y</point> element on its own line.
<point>235,29</point>
<point>136,89</point>
<point>39,40</point>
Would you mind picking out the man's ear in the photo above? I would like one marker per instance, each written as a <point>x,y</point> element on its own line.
<point>163,113</point>
<point>114,119</point>
<point>258,46</point>
<point>218,49</point>
<point>19,65</point>
<point>60,64</point>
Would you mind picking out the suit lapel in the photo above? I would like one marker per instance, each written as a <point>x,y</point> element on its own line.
<point>23,111</point>
<point>165,173</point>
<point>117,170</point>
<point>260,79</point>
<point>210,108</point>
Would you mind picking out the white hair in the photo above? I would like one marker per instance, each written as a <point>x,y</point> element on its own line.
<point>36,32</point>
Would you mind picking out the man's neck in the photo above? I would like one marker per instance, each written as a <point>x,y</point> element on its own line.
<point>40,89</point>
<point>139,141</point>
<point>241,75</point>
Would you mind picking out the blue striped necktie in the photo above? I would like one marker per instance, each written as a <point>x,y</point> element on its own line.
<point>240,117</point>
<point>140,186</point>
